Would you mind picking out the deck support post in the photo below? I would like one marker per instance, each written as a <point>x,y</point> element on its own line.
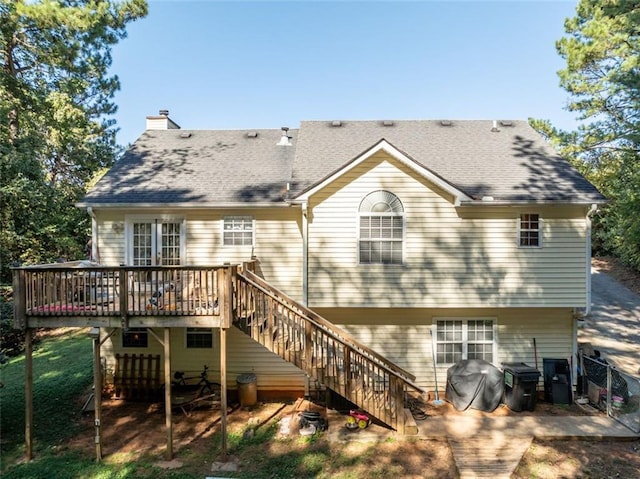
<point>28,393</point>
<point>226,277</point>
<point>97,396</point>
<point>167,392</point>
<point>223,391</point>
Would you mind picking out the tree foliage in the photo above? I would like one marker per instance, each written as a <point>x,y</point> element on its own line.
<point>55,128</point>
<point>602,76</point>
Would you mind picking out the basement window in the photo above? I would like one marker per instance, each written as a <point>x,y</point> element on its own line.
<point>199,338</point>
<point>459,339</point>
<point>135,338</point>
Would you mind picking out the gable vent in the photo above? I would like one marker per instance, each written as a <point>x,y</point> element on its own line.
<point>252,134</point>
<point>387,123</point>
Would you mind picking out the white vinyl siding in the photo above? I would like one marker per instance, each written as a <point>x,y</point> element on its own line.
<point>453,256</point>
<point>277,244</point>
<point>404,337</point>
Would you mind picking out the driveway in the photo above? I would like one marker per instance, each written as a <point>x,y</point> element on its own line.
<point>613,327</point>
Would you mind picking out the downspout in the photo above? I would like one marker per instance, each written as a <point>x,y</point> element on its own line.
<point>590,213</point>
<point>587,311</point>
<point>95,250</point>
<point>305,269</point>
<point>305,254</point>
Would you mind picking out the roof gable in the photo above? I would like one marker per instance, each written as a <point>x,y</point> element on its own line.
<point>384,146</point>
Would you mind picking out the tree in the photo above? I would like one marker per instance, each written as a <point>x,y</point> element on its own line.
<point>602,76</point>
<point>55,128</point>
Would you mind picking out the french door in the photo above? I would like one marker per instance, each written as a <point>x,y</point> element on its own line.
<point>156,242</point>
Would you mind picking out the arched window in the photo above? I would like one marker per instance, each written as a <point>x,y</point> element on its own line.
<point>381,228</point>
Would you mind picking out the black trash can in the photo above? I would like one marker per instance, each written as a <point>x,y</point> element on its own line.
<point>557,381</point>
<point>520,386</point>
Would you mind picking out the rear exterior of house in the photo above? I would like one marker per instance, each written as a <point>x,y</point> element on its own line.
<point>424,240</point>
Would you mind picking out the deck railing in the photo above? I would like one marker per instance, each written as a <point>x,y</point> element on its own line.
<point>77,290</point>
<point>321,349</point>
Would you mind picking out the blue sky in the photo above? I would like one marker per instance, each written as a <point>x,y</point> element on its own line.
<point>267,64</point>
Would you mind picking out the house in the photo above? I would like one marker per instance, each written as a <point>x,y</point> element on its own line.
<point>464,238</point>
<point>372,254</point>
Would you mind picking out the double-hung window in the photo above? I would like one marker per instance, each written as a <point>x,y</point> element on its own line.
<point>237,231</point>
<point>381,229</point>
<point>529,230</point>
<point>459,339</point>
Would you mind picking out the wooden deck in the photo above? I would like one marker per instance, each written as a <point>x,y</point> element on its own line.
<point>79,295</point>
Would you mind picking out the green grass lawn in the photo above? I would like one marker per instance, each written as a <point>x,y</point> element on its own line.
<point>62,374</point>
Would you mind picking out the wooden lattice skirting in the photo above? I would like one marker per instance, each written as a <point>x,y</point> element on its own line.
<point>137,376</point>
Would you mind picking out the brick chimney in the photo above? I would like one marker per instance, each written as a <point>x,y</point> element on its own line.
<point>161,122</point>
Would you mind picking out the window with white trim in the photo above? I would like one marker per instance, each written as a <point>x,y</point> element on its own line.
<point>199,338</point>
<point>459,339</point>
<point>529,230</point>
<point>381,229</point>
<point>237,231</point>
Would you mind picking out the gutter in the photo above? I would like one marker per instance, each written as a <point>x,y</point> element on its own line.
<point>491,202</point>
<point>185,205</point>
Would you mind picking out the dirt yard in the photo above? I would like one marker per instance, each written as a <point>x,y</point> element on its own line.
<point>136,431</point>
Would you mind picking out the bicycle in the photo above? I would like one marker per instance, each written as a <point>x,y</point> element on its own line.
<point>204,387</point>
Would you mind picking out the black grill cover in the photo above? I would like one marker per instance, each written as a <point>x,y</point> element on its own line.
<point>475,384</point>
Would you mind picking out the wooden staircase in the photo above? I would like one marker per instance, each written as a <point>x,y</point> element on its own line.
<point>321,349</point>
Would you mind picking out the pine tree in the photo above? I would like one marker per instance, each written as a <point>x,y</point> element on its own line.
<point>56,99</point>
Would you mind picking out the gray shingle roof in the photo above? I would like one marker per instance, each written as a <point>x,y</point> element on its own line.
<point>225,167</point>
<point>512,164</point>
<point>199,167</point>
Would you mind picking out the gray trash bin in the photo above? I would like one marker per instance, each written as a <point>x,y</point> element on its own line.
<point>247,389</point>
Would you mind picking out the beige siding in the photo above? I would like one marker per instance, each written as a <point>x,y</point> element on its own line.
<point>278,241</point>
<point>111,242</point>
<point>454,257</point>
<point>403,335</point>
<point>243,356</point>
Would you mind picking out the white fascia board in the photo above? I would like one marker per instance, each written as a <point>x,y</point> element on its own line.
<point>391,150</point>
